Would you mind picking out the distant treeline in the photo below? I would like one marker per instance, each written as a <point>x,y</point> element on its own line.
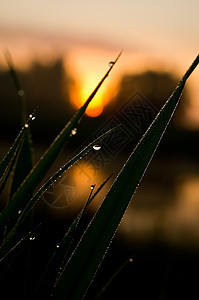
<point>47,88</point>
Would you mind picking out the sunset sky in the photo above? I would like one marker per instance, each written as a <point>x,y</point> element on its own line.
<point>153,35</point>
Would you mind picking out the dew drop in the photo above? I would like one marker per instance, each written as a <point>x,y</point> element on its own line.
<point>96,147</point>
<point>26,125</point>
<point>32,117</point>
<point>74,131</point>
<point>19,212</point>
<point>130,260</point>
<point>20,93</point>
<point>111,63</point>
<point>57,246</point>
<point>32,238</point>
<point>92,186</point>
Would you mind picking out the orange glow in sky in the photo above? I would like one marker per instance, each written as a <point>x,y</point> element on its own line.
<point>88,66</point>
<point>85,88</point>
<point>84,175</point>
<point>87,63</point>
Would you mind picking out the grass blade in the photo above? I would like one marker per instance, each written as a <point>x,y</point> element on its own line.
<point>68,165</point>
<point>57,260</point>
<point>100,188</point>
<point>6,180</point>
<point>11,237</point>
<point>52,271</point>
<point>9,254</point>
<point>7,158</point>
<point>19,90</point>
<point>101,293</point>
<point>88,255</point>
<point>24,193</point>
<point>24,162</point>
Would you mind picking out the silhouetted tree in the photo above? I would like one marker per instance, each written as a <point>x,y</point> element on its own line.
<point>46,88</point>
<point>155,87</point>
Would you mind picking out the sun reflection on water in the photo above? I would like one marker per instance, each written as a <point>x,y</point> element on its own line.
<point>176,222</point>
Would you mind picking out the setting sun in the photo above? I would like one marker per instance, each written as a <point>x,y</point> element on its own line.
<point>85,88</point>
<point>95,108</point>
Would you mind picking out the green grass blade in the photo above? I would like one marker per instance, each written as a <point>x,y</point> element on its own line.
<point>7,179</point>
<point>8,257</point>
<point>24,162</point>
<point>102,292</point>
<point>68,165</point>
<point>11,237</point>
<point>57,260</point>
<point>8,157</point>
<point>23,165</point>
<point>19,90</point>
<point>99,189</point>
<point>93,245</point>
<point>25,191</point>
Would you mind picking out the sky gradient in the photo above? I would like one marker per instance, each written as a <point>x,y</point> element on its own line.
<point>153,34</point>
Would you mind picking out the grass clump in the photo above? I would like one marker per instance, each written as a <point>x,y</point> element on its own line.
<point>23,191</point>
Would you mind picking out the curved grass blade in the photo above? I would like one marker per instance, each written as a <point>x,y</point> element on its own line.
<point>19,90</point>
<point>93,245</point>
<point>9,254</point>
<point>7,158</point>
<point>101,293</point>
<point>57,260</point>
<point>8,176</point>
<point>25,191</point>
<point>52,271</point>
<point>11,237</point>
<point>100,188</point>
<point>24,162</point>
<point>68,165</point>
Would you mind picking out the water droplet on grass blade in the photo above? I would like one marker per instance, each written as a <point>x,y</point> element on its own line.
<point>32,238</point>
<point>32,117</point>
<point>92,186</point>
<point>26,125</point>
<point>74,131</point>
<point>19,212</point>
<point>111,63</point>
<point>96,147</point>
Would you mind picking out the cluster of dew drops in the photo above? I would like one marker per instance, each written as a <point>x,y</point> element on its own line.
<point>31,117</point>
